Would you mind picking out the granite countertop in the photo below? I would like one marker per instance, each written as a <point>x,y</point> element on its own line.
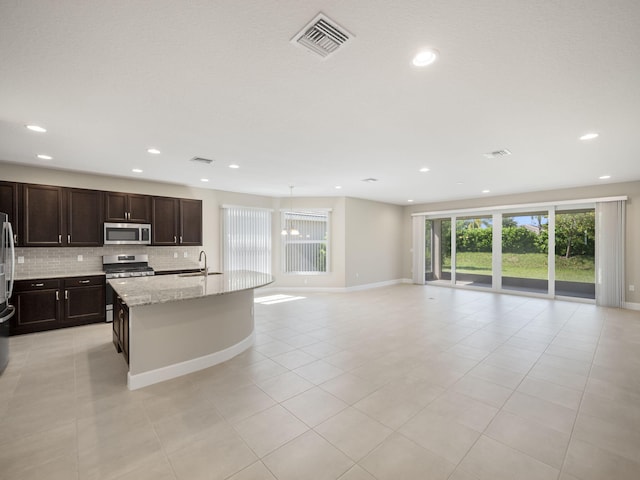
<point>43,275</point>
<point>138,291</point>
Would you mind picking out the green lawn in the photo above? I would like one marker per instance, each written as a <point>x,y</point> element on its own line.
<point>525,265</point>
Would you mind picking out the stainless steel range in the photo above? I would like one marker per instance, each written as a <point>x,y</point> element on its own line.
<point>123,266</point>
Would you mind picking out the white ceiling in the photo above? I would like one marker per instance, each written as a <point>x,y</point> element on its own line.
<point>220,79</point>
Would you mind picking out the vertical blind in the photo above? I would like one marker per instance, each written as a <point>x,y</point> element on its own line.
<point>610,256</point>
<point>307,252</point>
<point>246,239</point>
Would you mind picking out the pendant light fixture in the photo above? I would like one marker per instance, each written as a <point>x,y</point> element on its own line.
<point>291,230</point>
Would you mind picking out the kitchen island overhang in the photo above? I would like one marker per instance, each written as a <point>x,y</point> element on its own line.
<point>180,324</point>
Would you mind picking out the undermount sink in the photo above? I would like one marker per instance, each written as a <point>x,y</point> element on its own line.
<point>198,274</point>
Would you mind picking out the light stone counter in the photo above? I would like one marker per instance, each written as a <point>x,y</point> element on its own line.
<point>138,291</point>
<point>37,275</point>
<point>180,324</point>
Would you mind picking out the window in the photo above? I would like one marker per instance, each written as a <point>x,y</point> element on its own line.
<point>305,241</point>
<point>246,239</point>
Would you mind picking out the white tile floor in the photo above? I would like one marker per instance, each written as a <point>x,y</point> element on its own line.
<point>405,382</point>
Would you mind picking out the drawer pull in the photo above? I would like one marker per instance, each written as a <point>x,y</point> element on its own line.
<point>57,295</point>
<point>59,238</point>
<point>84,281</point>
<point>37,284</point>
<point>66,294</point>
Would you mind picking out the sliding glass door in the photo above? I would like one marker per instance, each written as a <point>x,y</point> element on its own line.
<point>575,271</point>
<point>510,251</point>
<point>525,252</point>
<point>473,253</point>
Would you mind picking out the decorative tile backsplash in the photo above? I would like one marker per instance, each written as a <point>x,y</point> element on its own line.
<point>54,261</point>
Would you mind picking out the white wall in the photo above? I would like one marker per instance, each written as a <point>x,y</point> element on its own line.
<point>631,189</point>
<point>374,242</point>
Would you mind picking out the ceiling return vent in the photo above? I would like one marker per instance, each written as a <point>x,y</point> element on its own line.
<point>497,153</point>
<point>205,161</point>
<point>322,36</point>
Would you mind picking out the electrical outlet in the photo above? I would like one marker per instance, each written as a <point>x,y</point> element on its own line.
<point>632,288</point>
<point>186,254</point>
<point>20,259</point>
<point>175,254</point>
<point>80,258</point>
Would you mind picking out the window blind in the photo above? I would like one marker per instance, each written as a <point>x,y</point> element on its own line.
<point>246,239</point>
<point>307,252</point>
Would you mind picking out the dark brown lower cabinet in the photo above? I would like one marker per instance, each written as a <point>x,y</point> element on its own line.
<point>37,305</point>
<point>121,327</point>
<point>53,303</point>
<point>84,300</point>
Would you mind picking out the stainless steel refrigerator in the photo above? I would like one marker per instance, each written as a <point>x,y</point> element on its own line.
<point>7,273</point>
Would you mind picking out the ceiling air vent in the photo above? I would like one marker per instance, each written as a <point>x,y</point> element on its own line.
<point>369,180</point>
<point>322,36</point>
<point>206,161</point>
<point>498,153</point>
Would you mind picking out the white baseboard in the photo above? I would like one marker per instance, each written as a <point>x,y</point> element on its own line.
<point>158,375</point>
<point>368,286</point>
<point>632,306</point>
<point>355,288</point>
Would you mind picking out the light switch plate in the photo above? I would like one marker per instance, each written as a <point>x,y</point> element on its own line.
<point>20,259</point>
<point>175,254</point>
<point>80,258</point>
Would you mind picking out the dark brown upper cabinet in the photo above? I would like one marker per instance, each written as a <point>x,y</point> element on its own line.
<point>9,205</point>
<point>176,221</point>
<point>127,207</point>
<point>84,218</point>
<point>165,221</point>
<point>190,222</point>
<point>56,216</point>
<point>42,216</point>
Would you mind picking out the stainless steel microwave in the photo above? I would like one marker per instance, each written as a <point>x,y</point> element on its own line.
<point>127,234</point>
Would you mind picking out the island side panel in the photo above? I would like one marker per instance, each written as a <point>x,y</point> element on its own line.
<point>165,334</point>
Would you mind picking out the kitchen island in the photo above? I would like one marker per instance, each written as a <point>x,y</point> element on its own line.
<point>172,325</point>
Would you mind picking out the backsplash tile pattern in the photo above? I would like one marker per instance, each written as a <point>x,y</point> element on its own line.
<point>57,261</point>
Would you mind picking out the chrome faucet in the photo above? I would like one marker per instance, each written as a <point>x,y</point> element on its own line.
<point>205,272</point>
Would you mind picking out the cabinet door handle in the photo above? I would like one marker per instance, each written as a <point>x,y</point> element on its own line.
<point>175,240</point>
<point>84,281</point>
<point>37,284</point>
<point>57,295</point>
<point>66,294</point>
<point>180,238</point>
<point>59,238</point>
<point>69,238</point>
<point>15,238</point>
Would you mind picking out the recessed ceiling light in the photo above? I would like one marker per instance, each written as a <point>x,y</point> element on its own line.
<point>233,165</point>
<point>338,187</point>
<point>410,201</point>
<point>459,183</point>
<point>589,136</point>
<point>44,157</point>
<point>136,170</point>
<point>36,128</point>
<point>486,191</point>
<point>424,169</point>
<point>605,177</point>
<point>153,151</point>
<point>204,179</point>
<point>425,57</point>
